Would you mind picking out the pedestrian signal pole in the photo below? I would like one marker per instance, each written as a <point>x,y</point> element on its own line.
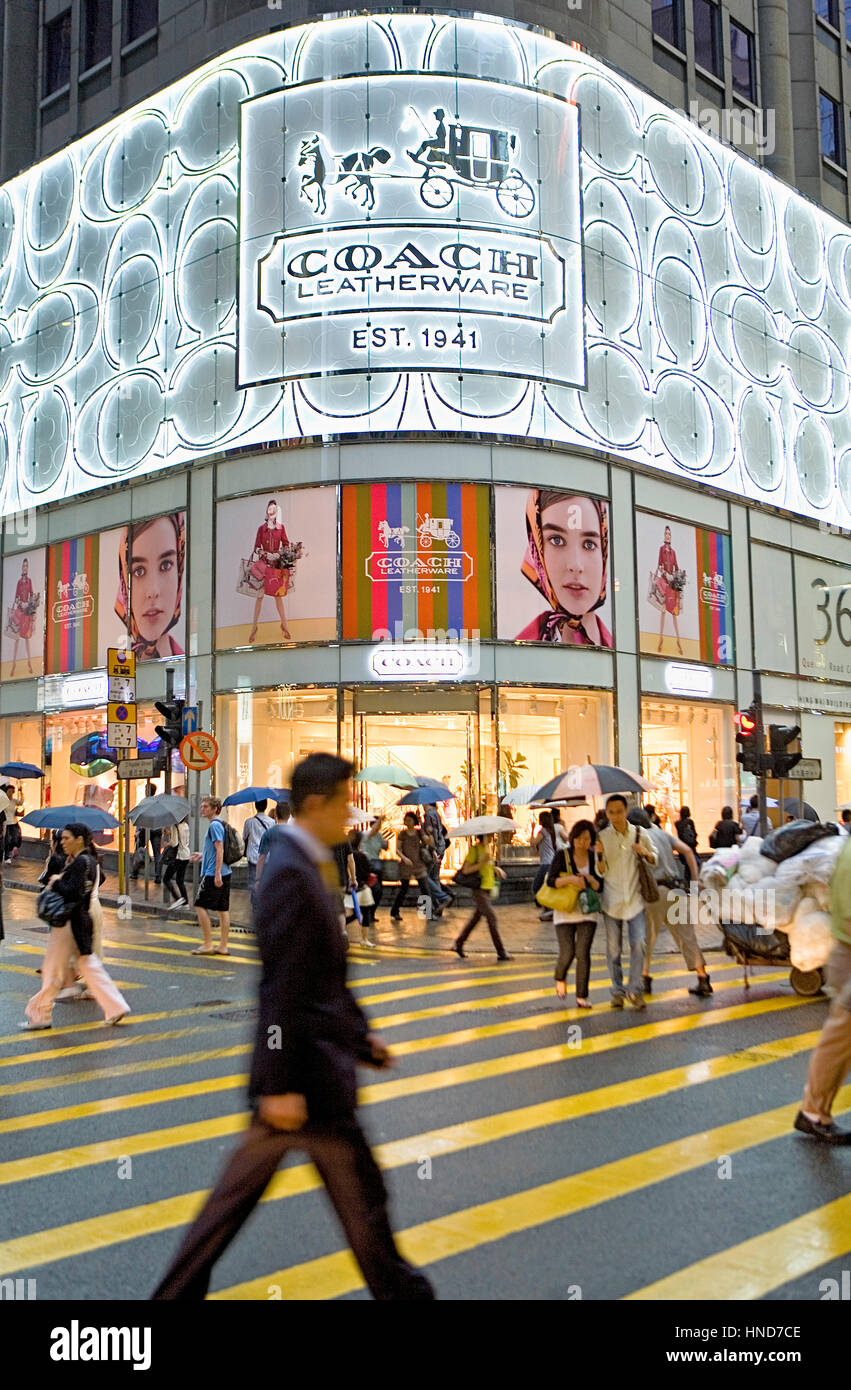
<point>760,743</point>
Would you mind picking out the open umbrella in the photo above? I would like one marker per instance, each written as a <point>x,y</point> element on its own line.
<point>154,812</point>
<point>427,796</point>
<point>20,770</point>
<point>521,796</point>
<point>482,825</point>
<point>591,779</point>
<point>241,798</point>
<point>57,817</point>
<point>800,809</point>
<point>387,773</point>
<point>358,817</point>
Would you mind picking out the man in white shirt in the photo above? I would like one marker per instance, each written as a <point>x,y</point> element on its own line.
<point>622,845</point>
<point>750,820</point>
<point>252,833</point>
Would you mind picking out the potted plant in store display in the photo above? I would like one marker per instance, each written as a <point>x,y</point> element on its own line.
<point>514,767</point>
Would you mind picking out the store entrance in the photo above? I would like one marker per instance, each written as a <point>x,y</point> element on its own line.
<point>430,733</point>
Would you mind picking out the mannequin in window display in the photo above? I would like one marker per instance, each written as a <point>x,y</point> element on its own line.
<point>21,622</point>
<point>151,563</point>
<point>566,560</point>
<point>669,582</point>
<point>267,564</point>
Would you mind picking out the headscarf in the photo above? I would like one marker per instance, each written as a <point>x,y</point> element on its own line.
<point>145,650</point>
<point>534,569</point>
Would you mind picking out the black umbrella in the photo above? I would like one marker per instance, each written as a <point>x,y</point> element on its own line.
<point>802,810</point>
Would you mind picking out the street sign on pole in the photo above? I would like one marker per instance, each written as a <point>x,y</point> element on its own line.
<point>199,751</point>
<point>190,719</point>
<point>137,767</point>
<point>120,663</point>
<point>807,770</point>
<point>121,726</point>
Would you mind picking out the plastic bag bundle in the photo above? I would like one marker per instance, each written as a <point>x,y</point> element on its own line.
<point>775,903</point>
<point>810,939</point>
<point>792,838</point>
<point>751,847</point>
<point>753,867</point>
<point>817,862</point>
<point>716,872</point>
<point>821,893</point>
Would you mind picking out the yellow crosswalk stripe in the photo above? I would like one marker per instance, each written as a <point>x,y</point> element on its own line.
<point>117,1041</point>
<point>175,955</point>
<point>757,1266</point>
<point>146,965</point>
<point>74,1029</point>
<point>331,1276</point>
<point>135,1068</point>
<point>30,971</point>
<point>84,1236</point>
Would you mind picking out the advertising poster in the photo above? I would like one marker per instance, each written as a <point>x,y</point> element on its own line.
<point>124,586</point>
<point>276,568</point>
<point>416,561</point>
<point>685,605</point>
<point>22,642</point>
<point>823,618</point>
<point>552,567</point>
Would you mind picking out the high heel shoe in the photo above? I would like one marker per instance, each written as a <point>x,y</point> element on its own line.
<point>252,635</point>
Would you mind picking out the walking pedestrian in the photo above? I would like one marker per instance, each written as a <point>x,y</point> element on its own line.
<point>373,844</point>
<point>214,888</point>
<point>362,875</point>
<point>481,861</point>
<point>727,831</point>
<point>74,885</point>
<point>282,815</point>
<point>668,876</point>
<point>576,867</point>
<point>832,1056</point>
<point>155,837</point>
<point>621,846</point>
<point>412,849</point>
<point>845,824</point>
<point>303,1090</point>
<point>544,841</point>
<point>253,830</point>
<point>176,856</point>
<point>750,820</point>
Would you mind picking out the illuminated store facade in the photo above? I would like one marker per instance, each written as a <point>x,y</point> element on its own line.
<point>536,394</point>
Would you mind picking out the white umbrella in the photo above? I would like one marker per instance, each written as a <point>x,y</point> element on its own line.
<point>482,825</point>
<point>357,817</point>
<point>520,796</point>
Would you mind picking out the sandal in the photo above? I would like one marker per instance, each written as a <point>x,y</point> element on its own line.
<point>204,951</point>
<point>251,636</point>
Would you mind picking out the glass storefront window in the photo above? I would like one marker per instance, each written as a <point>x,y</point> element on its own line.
<point>20,742</point>
<point>843,762</point>
<point>81,769</point>
<point>542,733</point>
<point>687,753</point>
<point>261,734</point>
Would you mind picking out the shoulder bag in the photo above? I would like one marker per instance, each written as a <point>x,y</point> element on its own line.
<point>558,899</point>
<point>647,885</point>
<point>52,908</point>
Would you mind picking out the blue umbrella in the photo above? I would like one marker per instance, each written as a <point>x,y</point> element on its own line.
<point>427,796</point>
<point>20,770</point>
<point>57,817</point>
<point>257,794</point>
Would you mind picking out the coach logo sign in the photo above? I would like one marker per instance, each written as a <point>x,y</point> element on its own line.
<point>410,662</point>
<point>425,232</point>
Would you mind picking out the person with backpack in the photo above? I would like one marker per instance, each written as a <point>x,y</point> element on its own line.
<point>252,833</point>
<point>214,888</point>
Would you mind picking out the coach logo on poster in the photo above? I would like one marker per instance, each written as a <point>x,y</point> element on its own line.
<point>425,233</point>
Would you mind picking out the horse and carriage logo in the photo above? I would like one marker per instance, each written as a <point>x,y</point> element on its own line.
<point>429,529</point>
<point>455,155</point>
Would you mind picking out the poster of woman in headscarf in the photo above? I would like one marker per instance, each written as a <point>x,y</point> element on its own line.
<point>552,553</point>
<point>149,585</point>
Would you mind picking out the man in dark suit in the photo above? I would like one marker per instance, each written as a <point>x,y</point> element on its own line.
<point>311,1034</point>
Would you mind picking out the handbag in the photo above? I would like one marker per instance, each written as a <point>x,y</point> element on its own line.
<point>647,885</point>
<point>558,899</point>
<point>467,878</point>
<point>247,584</point>
<point>52,908</point>
<point>653,595</point>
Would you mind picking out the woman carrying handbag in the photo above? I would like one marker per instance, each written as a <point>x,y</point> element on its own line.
<point>480,861</point>
<point>576,868</point>
<point>72,930</point>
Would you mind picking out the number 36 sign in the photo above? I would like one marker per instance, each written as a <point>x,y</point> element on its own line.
<point>823,604</point>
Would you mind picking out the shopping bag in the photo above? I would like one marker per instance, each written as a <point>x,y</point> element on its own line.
<point>248,584</point>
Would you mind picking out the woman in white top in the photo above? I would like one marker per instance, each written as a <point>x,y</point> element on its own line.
<point>176,856</point>
<point>576,866</point>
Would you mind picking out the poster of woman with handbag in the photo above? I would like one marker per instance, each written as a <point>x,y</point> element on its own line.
<point>575,878</point>
<point>21,618</point>
<point>670,581</point>
<point>267,565</point>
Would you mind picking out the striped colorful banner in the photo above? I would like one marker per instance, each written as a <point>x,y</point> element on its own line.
<point>72,606</point>
<point>416,560</point>
<point>715,597</point>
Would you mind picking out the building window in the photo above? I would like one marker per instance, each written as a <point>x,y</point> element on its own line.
<point>57,53</point>
<point>688,757</point>
<point>741,57</point>
<point>707,37</point>
<point>828,10</point>
<point>832,134</point>
<point>141,16</point>
<point>97,32</point>
<point>668,21</point>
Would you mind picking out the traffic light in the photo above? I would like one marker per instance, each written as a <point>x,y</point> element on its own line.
<point>746,735</point>
<point>779,738</point>
<point>171,730</point>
